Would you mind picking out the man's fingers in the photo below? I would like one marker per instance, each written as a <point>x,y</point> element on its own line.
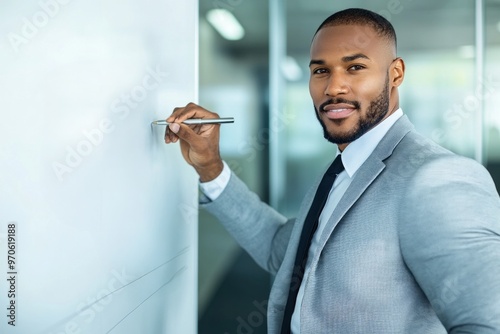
<point>185,133</point>
<point>170,137</point>
<point>174,127</point>
<point>189,134</point>
<point>176,113</point>
<point>191,110</point>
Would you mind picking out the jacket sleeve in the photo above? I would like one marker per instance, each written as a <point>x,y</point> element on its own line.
<point>258,228</point>
<point>450,240</point>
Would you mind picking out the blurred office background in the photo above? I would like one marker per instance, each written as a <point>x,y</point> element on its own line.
<point>259,75</point>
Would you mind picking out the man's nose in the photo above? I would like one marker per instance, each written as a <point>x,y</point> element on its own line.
<point>336,85</point>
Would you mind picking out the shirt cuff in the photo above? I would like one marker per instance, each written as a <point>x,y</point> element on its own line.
<point>212,189</point>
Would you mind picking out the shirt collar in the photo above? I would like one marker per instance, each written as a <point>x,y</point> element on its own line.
<point>356,153</point>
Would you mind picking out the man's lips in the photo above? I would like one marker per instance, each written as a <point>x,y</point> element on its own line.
<point>338,110</point>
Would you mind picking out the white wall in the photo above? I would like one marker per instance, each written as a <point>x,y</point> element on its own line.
<point>105,213</point>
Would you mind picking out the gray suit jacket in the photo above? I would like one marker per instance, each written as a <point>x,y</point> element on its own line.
<point>412,247</point>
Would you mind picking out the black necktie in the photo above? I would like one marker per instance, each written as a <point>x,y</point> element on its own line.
<point>310,226</point>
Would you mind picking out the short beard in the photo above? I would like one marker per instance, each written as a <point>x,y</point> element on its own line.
<point>375,113</point>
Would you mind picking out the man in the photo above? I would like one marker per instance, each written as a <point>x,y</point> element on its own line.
<point>409,238</point>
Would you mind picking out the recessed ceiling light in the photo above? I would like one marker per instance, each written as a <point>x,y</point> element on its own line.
<point>226,24</point>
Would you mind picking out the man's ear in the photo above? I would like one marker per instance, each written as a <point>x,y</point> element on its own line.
<point>397,72</point>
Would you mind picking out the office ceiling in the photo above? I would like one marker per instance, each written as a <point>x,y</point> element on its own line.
<point>420,25</point>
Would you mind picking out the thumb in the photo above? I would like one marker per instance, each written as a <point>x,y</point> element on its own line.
<point>184,133</point>
<point>174,127</point>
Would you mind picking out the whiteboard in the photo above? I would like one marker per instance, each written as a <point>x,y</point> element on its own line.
<point>98,215</point>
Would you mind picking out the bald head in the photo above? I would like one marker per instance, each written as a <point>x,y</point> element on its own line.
<point>363,17</point>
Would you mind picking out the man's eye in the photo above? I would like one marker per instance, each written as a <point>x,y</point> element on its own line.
<point>356,67</point>
<point>319,71</point>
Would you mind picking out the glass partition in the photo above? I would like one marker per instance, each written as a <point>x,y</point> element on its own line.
<point>491,88</point>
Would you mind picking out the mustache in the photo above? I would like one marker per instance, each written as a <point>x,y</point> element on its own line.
<point>338,100</point>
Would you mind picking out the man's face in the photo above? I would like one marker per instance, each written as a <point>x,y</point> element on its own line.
<point>351,81</point>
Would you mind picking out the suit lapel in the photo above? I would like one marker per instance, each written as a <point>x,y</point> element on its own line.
<point>365,176</point>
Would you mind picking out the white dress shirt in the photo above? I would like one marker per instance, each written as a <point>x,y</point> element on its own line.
<point>354,155</point>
